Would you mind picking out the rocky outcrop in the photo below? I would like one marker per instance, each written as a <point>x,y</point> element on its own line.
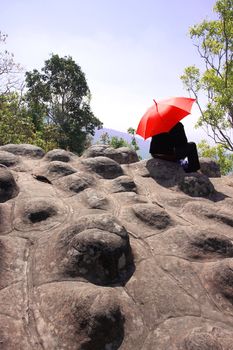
<point>196,185</point>
<point>103,252</point>
<point>122,155</point>
<point>209,167</point>
<point>8,186</point>
<point>24,150</point>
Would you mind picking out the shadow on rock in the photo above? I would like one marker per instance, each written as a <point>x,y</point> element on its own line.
<point>8,186</point>
<point>171,174</point>
<point>199,185</point>
<point>165,173</point>
<point>209,245</point>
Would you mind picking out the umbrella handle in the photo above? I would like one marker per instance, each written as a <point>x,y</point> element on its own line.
<point>156,105</point>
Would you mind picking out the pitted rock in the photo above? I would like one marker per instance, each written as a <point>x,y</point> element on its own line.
<point>11,271</point>
<point>5,218</point>
<point>25,150</point>
<point>223,280</point>
<point>197,339</point>
<point>123,184</point>
<point>95,151</point>
<point>210,212</point>
<point>8,186</point>
<point>196,185</point>
<point>106,222</point>
<point>85,266</point>
<point>208,245</point>
<point>91,317</point>
<point>95,249</point>
<point>122,155</point>
<point>165,173</point>
<point>76,182</point>
<point>9,159</point>
<point>209,167</point>
<point>103,166</point>
<point>39,213</point>
<point>152,215</point>
<point>99,256</point>
<point>59,155</point>
<point>54,170</point>
<point>96,199</point>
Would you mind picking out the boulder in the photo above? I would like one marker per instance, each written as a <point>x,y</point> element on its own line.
<point>122,155</point>
<point>196,185</point>
<point>8,186</point>
<point>209,167</point>
<point>166,173</point>
<point>58,155</point>
<point>53,170</point>
<point>123,184</point>
<point>24,150</point>
<point>103,166</point>
<point>8,159</point>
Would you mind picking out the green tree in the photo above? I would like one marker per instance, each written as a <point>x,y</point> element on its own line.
<point>15,124</point>
<point>117,142</point>
<point>134,144</point>
<point>114,141</point>
<point>214,42</point>
<point>218,154</point>
<point>60,97</point>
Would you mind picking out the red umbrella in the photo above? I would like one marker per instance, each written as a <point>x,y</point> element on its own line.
<point>163,115</point>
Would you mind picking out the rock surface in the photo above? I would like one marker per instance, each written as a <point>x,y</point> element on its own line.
<point>209,167</point>
<point>98,254</point>
<point>122,155</point>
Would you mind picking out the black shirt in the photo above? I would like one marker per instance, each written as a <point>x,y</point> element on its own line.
<point>166,142</point>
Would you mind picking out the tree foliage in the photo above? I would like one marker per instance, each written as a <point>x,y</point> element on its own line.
<point>214,42</point>
<point>59,96</point>
<point>113,141</point>
<point>134,144</point>
<point>15,124</point>
<point>117,142</point>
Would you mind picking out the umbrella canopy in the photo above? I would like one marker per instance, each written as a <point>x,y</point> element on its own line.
<point>163,115</point>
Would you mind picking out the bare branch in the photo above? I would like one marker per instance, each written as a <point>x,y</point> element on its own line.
<point>9,70</point>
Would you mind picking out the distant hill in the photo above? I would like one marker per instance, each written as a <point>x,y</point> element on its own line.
<point>144,145</point>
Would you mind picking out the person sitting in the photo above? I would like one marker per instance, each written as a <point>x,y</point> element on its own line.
<point>174,146</point>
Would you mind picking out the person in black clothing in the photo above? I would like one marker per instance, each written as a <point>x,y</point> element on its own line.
<point>174,146</point>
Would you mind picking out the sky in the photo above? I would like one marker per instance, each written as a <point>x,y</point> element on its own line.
<point>131,51</point>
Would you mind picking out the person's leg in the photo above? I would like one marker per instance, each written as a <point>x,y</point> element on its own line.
<point>189,151</point>
<point>193,159</point>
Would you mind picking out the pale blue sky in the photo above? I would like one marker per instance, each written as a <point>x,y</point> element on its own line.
<point>131,51</point>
